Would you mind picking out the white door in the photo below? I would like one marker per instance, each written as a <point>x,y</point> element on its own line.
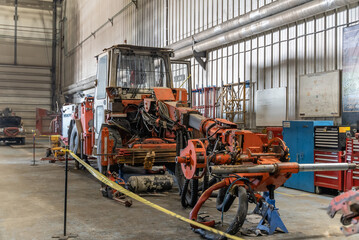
<point>100,103</point>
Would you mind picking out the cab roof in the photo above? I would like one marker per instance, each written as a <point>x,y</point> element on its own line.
<point>128,47</point>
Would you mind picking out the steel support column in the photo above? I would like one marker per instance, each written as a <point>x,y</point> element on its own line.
<point>15,34</point>
<point>53,63</point>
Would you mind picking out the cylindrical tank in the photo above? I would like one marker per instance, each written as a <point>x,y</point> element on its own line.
<point>150,183</point>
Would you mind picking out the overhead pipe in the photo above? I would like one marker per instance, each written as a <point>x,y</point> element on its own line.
<point>298,13</point>
<point>266,11</point>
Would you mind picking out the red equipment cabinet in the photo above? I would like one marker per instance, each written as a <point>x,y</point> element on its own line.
<point>330,179</point>
<point>352,156</point>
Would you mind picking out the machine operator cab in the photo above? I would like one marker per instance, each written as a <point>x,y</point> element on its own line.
<point>130,72</point>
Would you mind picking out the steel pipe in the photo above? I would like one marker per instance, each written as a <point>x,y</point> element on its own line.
<point>326,167</point>
<point>284,18</point>
<point>195,120</point>
<point>265,11</point>
<point>290,167</point>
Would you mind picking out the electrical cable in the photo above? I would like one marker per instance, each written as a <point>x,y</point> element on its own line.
<point>230,186</point>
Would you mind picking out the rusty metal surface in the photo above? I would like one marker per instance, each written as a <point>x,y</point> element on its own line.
<point>150,183</point>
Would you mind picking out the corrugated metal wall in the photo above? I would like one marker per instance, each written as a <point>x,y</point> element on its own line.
<point>25,78</point>
<point>88,30</point>
<point>271,59</point>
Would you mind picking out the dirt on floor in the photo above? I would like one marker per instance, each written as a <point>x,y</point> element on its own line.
<point>32,202</point>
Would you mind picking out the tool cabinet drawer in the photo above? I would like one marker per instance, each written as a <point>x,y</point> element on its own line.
<point>329,179</point>
<point>351,176</point>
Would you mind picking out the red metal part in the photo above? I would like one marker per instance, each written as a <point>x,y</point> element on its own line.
<point>194,213</point>
<point>164,94</point>
<point>252,155</point>
<point>263,137</point>
<point>193,158</point>
<point>155,146</point>
<point>180,95</point>
<point>47,122</point>
<point>106,148</point>
<point>222,158</point>
<point>346,203</point>
<point>87,125</point>
<point>257,181</point>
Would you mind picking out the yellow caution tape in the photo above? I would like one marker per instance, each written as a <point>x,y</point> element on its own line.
<point>293,195</point>
<point>123,190</point>
<point>185,81</point>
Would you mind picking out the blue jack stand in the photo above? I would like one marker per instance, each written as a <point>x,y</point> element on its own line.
<point>270,216</point>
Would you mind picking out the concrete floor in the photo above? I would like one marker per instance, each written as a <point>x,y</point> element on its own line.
<point>31,207</point>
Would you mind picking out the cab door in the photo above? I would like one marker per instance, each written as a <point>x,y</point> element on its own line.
<point>181,76</point>
<point>100,100</point>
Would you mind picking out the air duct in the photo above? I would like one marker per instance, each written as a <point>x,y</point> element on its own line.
<point>266,11</point>
<point>292,15</point>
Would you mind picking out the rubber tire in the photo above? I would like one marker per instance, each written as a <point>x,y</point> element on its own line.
<point>20,141</point>
<point>220,200</point>
<point>72,123</point>
<point>99,166</point>
<point>240,215</point>
<point>74,144</point>
<point>180,179</point>
<point>48,152</point>
<point>189,197</point>
<point>74,141</point>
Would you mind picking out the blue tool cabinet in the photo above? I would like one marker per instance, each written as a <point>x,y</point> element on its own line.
<point>299,137</point>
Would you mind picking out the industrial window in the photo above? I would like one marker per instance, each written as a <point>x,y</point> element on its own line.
<point>141,71</point>
<point>100,118</point>
<point>102,78</point>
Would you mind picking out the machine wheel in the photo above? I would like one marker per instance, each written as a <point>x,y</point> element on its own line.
<point>189,193</point>
<point>74,140</point>
<point>188,189</point>
<point>74,144</point>
<point>223,201</point>
<point>48,152</point>
<point>241,213</point>
<point>22,141</point>
<point>69,131</point>
<point>180,179</point>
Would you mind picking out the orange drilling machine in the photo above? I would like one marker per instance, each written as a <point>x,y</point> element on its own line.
<point>143,125</point>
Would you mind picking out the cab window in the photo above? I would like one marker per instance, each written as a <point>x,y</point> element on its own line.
<point>141,71</point>
<point>102,78</point>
